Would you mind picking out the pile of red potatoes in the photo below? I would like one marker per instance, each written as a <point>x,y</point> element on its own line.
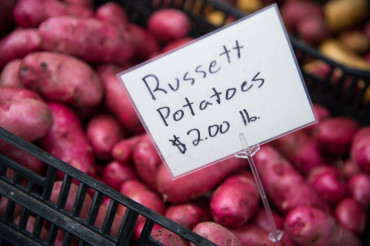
<point>59,90</point>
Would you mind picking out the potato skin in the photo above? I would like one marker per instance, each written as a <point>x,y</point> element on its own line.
<point>67,140</point>
<point>146,162</point>
<point>216,233</point>
<point>285,185</point>
<point>115,173</point>
<point>89,39</point>
<point>300,149</point>
<point>146,44</point>
<point>116,99</point>
<point>18,44</point>
<point>168,237</point>
<point>329,183</point>
<point>334,135</point>
<point>31,13</point>
<point>195,184</point>
<point>142,194</point>
<point>113,13</point>
<point>104,131</point>
<point>169,24</point>
<point>311,226</point>
<point>62,78</point>
<point>187,214</point>
<point>358,186</point>
<point>352,215</point>
<point>235,201</point>
<point>252,234</point>
<point>9,74</point>
<point>23,113</point>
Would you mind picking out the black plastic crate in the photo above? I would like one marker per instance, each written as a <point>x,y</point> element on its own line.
<point>34,198</point>
<point>341,98</point>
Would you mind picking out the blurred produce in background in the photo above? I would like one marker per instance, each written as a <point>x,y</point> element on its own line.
<point>59,90</point>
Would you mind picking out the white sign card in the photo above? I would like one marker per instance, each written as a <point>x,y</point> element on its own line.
<point>196,100</point>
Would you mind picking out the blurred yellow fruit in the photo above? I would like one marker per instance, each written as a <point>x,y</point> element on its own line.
<point>249,6</point>
<point>218,18</point>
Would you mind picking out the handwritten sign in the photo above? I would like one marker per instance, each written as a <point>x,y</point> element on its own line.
<point>196,100</point>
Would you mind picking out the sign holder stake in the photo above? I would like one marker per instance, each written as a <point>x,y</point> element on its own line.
<point>275,235</point>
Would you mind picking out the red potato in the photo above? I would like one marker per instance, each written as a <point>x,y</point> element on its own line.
<point>132,185</point>
<point>260,219</point>
<point>176,44</point>
<point>115,173</point>
<point>169,24</point>
<point>146,44</point>
<point>113,13</point>
<point>313,29</point>
<point>124,149</point>
<point>173,45</point>
<point>320,111</point>
<point>141,193</point>
<point>351,215</point>
<point>168,237</point>
<point>104,131</point>
<point>31,13</point>
<point>67,140</point>
<point>186,214</point>
<point>293,12</point>
<point>328,182</point>
<point>301,150</point>
<point>216,233</point>
<point>9,74</point>
<point>72,194</point>
<point>360,149</point>
<point>195,184</point>
<point>284,185</point>
<point>18,44</point>
<point>146,162</point>
<point>251,234</point>
<point>312,226</point>
<point>235,200</point>
<point>334,135</point>
<point>23,113</point>
<point>62,78</point>
<point>10,94</point>
<point>117,101</point>
<point>89,39</point>
<point>358,187</point>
